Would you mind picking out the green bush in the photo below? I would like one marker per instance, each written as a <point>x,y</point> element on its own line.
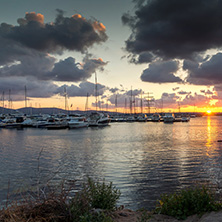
<point>94,195</point>
<point>102,195</point>
<point>187,202</point>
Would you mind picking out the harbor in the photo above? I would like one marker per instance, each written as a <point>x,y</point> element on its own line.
<point>75,120</point>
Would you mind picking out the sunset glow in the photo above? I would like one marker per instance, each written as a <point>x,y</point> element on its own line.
<point>209,111</point>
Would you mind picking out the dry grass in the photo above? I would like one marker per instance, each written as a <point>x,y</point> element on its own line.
<point>50,210</point>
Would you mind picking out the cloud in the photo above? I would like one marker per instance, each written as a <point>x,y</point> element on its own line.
<point>25,48</point>
<point>208,92</point>
<point>134,92</point>
<point>35,88</point>
<point>113,90</point>
<point>183,92</point>
<point>44,67</point>
<point>161,72</point>
<point>196,100</point>
<point>167,100</point>
<point>123,98</point>
<point>176,88</point>
<point>71,33</point>
<point>206,73</point>
<point>84,89</point>
<point>174,29</point>
<point>69,70</point>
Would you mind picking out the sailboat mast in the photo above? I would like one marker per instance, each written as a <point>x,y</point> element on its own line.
<point>131,101</point>
<point>25,97</point>
<point>141,103</point>
<point>3,101</point>
<point>86,106</point>
<point>65,94</point>
<point>116,103</point>
<point>96,91</point>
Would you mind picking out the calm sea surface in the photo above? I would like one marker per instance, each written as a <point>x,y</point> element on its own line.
<point>143,160</point>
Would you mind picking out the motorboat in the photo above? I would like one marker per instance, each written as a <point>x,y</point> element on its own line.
<point>155,117</point>
<point>142,117</point>
<point>57,125</point>
<point>168,118</point>
<point>98,119</point>
<point>27,123</point>
<point>131,118</point>
<point>185,118</point>
<point>77,121</point>
<point>10,122</point>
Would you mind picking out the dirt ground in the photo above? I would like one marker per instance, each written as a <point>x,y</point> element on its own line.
<point>127,215</point>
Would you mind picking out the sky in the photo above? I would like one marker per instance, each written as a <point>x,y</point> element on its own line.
<point>168,52</point>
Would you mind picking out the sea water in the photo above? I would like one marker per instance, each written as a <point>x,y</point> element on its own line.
<point>143,160</point>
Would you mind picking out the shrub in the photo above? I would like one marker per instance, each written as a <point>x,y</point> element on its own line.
<point>102,195</point>
<point>187,202</point>
<point>94,195</point>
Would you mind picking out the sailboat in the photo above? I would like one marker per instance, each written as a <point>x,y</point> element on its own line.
<point>96,118</point>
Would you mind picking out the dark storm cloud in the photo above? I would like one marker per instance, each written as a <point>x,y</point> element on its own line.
<point>43,67</point>
<point>25,48</point>
<point>206,73</point>
<point>84,89</point>
<point>161,72</point>
<point>35,88</point>
<point>69,70</point>
<point>144,57</point>
<point>174,29</point>
<point>72,33</point>
<point>35,64</point>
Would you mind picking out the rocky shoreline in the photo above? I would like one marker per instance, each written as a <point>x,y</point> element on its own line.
<point>127,215</point>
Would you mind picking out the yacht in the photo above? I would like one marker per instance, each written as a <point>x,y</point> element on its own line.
<point>142,117</point>
<point>185,118</point>
<point>155,117</point>
<point>77,121</point>
<point>58,124</point>
<point>98,119</point>
<point>168,118</point>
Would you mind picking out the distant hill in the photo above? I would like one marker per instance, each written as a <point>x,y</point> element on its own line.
<point>30,110</point>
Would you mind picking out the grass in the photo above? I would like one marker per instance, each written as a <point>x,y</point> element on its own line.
<point>93,203</point>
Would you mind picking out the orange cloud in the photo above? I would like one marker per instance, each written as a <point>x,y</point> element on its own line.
<point>31,16</point>
<point>76,16</point>
<point>98,26</point>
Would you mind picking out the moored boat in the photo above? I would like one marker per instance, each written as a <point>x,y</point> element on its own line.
<point>77,121</point>
<point>98,119</point>
<point>168,118</point>
<point>155,117</point>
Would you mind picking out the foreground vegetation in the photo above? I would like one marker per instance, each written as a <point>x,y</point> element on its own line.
<point>93,203</point>
<point>187,202</point>
<point>97,202</point>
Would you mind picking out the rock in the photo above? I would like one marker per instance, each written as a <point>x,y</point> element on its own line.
<point>123,214</point>
<point>211,217</point>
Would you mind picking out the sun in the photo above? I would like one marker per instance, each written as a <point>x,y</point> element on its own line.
<point>209,111</point>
